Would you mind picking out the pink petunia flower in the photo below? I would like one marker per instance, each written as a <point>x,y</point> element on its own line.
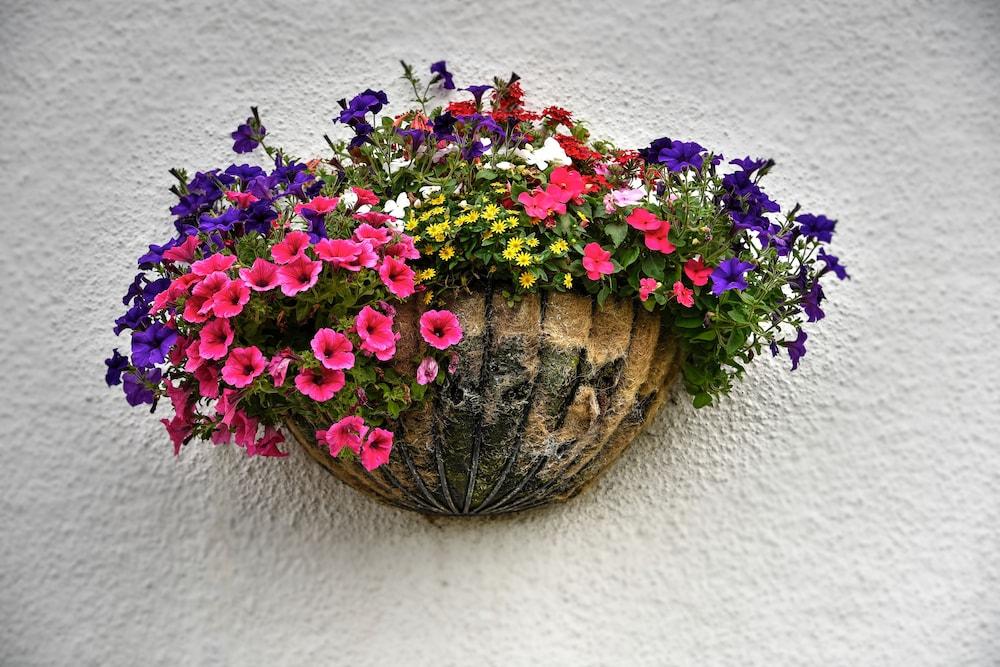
<point>379,236</point>
<point>194,360</point>
<point>397,276</point>
<point>241,199</point>
<point>206,290</point>
<point>321,205</point>
<point>427,371</point>
<point>277,368</point>
<point>213,263</point>
<point>179,430</point>
<point>333,349</point>
<point>365,197</point>
<point>375,331</point>
<point>403,248</point>
<point>298,275</point>
<point>374,218</point>
<point>261,277</point>
<point>348,432</point>
<point>268,444</point>
<point>697,272</point>
<point>229,301</point>
<point>376,448</point>
<point>440,328</point>
<point>292,247</point>
<point>215,339</point>
<point>684,295</point>
<point>243,366</point>
<point>342,253</point>
<point>319,384</point>
<point>185,252</point>
<point>540,204</point>
<point>192,309</point>
<point>207,376</point>
<point>647,286</point>
<point>597,261</point>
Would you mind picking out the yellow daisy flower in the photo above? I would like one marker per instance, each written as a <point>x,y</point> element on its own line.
<point>509,254</point>
<point>526,280</point>
<point>491,212</point>
<point>446,253</point>
<point>523,259</point>
<point>428,297</point>
<point>436,201</point>
<point>498,227</point>
<point>558,247</point>
<point>532,242</point>
<point>426,274</point>
<point>567,281</point>
<point>517,244</point>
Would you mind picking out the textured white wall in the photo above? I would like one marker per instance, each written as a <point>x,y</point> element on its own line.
<point>843,515</point>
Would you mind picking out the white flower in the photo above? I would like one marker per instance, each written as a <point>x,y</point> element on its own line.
<point>428,190</point>
<point>349,199</point>
<point>397,208</point>
<point>550,153</point>
<point>398,164</point>
<point>503,165</point>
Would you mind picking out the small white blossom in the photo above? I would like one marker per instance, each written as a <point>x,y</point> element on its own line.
<point>550,153</point>
<point>397,208</point>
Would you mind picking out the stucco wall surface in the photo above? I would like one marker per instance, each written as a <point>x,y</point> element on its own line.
<point>846,514</point>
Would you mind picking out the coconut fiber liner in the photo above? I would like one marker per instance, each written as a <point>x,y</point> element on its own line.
<point>548,392</point>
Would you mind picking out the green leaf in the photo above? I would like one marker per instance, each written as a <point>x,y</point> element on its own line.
<point>701,400</point>
<point>486,175</point>
<point>628,256</point>
<point>688,322</point>
<point>617,233</point>
<point>653,265</point>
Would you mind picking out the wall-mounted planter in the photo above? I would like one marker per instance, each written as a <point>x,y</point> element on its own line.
<point>547,394</point>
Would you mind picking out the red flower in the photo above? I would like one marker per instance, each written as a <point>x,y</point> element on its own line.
<point>684,295</point>
<point>576,149</point>
<point>558,116</point>
<point>696,270</point>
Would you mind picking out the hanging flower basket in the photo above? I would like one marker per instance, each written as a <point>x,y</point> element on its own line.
<point>468,308</point>
<point>547,393</point>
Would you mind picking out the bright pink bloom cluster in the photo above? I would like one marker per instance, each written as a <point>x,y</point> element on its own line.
<point>654,230</point>
<point>565,185</point>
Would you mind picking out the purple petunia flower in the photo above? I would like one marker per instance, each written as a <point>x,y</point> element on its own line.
<point>818,227</point>
<point>441,73</point>
<point>135,317</point>
<point>369,101</point>
<point>683,155</point>
<point>116,363</point>
<point>444,126</point>
<point>415,135</point>
<point>136,392</point>
<point>652,154</point>
<point>477,92</point>
<point>729,275</point>
<point>155,254</point>
<point>833,264</point>
<point>797,348</point>
<point>246,137</point>
<point>244,172</point>
<point>473,150</point>
<point>749,165</point>
<point>811,301</point>
<point>220,223</point>
<point>152,345</point>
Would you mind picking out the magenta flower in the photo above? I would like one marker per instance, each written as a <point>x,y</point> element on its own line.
<point>397,276</point>
<point>179,430</point>
<point>268,444</point>
<point>342,253</point>
<point>646,287</point>
<point>348,432</point>
<point>440,328</point>
<point>207,376</point>
<point>277,368</point>
<point>565,184</point>
<point>292,247</point>
<point>321,205</point>
<point>657,240</point>
<point>241,199</point>
<point>298,275</point>
<point>213,263</point>
<point>654,229</point>
<point>243,366</point>
<point>427,371</point>
<point>333,349</point>
<point>185,252</point>
<point>319,384</point>
<point>204,292</point>
<point>597,261</point>
<point>379,236</point>
<point>403,248</point>
<point>376,449</point>
<point>229,301</point>
<point>643,220</point>
<point>375,331</point>
<point>261,277</point>
<point>215,339</point>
